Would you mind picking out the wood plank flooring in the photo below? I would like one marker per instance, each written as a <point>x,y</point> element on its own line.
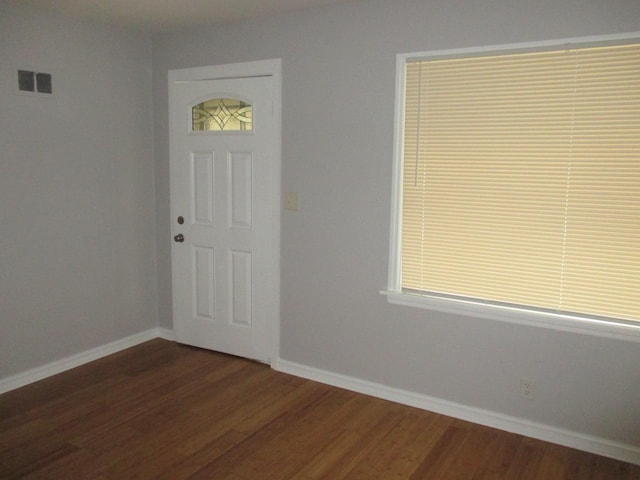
<point>171,412</point>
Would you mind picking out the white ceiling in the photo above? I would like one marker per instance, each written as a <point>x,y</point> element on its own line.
<point>166,15</point>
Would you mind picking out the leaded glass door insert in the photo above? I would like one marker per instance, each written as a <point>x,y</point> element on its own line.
<point>222,114</point>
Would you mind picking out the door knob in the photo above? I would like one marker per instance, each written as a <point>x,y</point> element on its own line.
<point>179,238</point>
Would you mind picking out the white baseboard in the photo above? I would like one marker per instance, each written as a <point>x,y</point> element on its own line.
<point>166,334</point>
<point>599,446</point>
<point>59,366</point>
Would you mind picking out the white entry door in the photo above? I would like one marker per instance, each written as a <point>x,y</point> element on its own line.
<point>224,212</point>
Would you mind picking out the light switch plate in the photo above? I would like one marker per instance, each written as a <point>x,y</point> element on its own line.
<point>292,201</point>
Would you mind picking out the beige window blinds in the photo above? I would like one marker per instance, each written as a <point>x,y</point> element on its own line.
<point>521,179</point>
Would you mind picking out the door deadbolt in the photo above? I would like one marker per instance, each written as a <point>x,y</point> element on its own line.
<point>179,238</point>
<point>180,220</point>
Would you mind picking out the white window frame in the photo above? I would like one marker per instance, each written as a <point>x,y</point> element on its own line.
<point>610,328</point>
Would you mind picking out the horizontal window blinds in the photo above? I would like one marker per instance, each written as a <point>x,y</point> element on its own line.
<point>521,179</point>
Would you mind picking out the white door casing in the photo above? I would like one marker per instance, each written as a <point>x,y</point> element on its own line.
<point>226,187</point>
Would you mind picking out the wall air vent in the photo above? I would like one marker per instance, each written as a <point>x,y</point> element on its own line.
<point>34,82</point>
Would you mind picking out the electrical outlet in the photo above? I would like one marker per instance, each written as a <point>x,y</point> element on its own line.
<point>527,388</point>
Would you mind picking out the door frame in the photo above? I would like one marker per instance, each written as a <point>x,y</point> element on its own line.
<point>262,68</point>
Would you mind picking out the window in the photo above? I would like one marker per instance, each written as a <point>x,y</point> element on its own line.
<point>222,114</point>
<point>518,180</point>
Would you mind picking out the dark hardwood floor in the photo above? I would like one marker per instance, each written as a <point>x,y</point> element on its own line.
<point>166,411</point>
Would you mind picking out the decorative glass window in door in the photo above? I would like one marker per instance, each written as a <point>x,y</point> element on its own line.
<point>222,114</point>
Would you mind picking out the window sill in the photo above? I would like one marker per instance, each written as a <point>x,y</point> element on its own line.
<point>568,323</point>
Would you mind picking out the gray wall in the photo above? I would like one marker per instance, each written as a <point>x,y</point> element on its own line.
<point>77,241</point>
<point>338,89</point>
